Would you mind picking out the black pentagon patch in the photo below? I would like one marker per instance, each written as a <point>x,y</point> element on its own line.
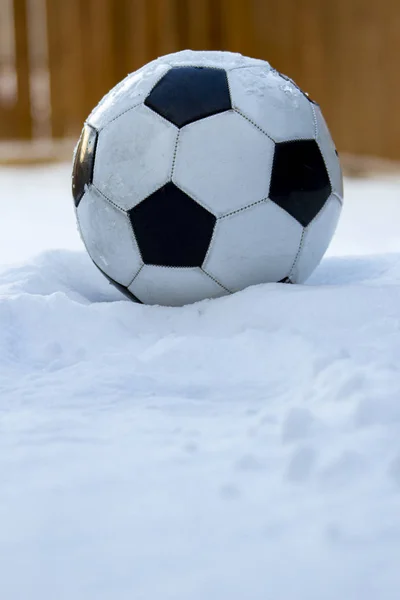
<point>187,94</point>
<point>171,229</point>
<point>82,172</point>
<point>299,181</point>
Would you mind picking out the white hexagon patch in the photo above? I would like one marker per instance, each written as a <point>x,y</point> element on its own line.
<point>256,245</point>
<point>316,239</point>
<point>172,286</point>
<point>272,102</point>
<point>224,162</point>
<point>134,156</point>
<point>108,237</point>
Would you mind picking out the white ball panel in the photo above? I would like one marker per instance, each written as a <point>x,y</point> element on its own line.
<point>224,162</point>
<point>276,105</point>
<point>316,239</point>
<point>134,156</point>
<point>130,92</point>
<point>328,151</point>
<point>174,286</point>
<point>108,237</point>
<point>258,244</point>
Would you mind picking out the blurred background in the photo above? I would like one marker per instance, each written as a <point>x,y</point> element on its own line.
<point>59,57</point>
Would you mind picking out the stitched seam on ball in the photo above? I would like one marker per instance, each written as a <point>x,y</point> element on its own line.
<point>315,121</point>
<point>238,210</point>
<point>157,81</point>
<point>90,256</point>
<point>296,139</point>
<point>109,200</point>
<point>160,117</point>
<point>237,68</point>
<point>320,148</point>
<point>303,234</point>
<point>193,196</point>
<point>266,65</point>
<point>196,66</point>
<point>210,245</point>
<point>129,284</point>
<point>125,213</point>
<point>126,210</point>
<point>170,267</point>
<point>339,198</point>
<point>229,89</point>
<point>135,239</point>
<point>326,167</point>
<point>120,115</point>
<point>215,280</point>
<point>321,209</point>
<point>141,101</point>
<point>175,153</point>
<point>318,213</point>
<point>239,112</point>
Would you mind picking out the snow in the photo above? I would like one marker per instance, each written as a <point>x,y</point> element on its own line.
<point>246,447</point>
<point>212,58</point>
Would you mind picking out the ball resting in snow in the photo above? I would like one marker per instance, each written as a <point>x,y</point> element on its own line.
<point>203,173</point>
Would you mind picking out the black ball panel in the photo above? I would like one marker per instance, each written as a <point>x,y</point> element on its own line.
<point>187,94</point>
<point>171,229</point>
<point>299,182</point>
<point>82,172</point>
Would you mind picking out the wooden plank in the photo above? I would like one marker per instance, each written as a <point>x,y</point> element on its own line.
<point>55,74</point>
<point>198,24</point>
<point>9,122</point>
<point>385,80</point>
<point>328,91</point>
<point>119,31</point>
<point>369,100</point>
<point>345,40</point>
<point>267,33</point>
<point>66,33</point>
<point>98,52</point>
<point>235,33</point>
<point>311,74</point>
<point>137,46</point>
<point>162,27</point>
<point>133,36</point>
<point>8,116</point>
<point>390,91</point>
<point>23,129</point>
<point>274,26</point>
<point>216,24</point>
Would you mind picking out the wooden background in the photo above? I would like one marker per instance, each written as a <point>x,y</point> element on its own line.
<point>59,57</point>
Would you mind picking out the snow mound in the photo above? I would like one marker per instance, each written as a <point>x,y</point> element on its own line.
<point>246,447</point>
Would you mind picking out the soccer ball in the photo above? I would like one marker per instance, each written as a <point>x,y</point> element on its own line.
<point>203,173</point>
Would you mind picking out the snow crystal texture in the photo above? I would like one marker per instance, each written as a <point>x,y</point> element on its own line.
<point>245,447</point>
